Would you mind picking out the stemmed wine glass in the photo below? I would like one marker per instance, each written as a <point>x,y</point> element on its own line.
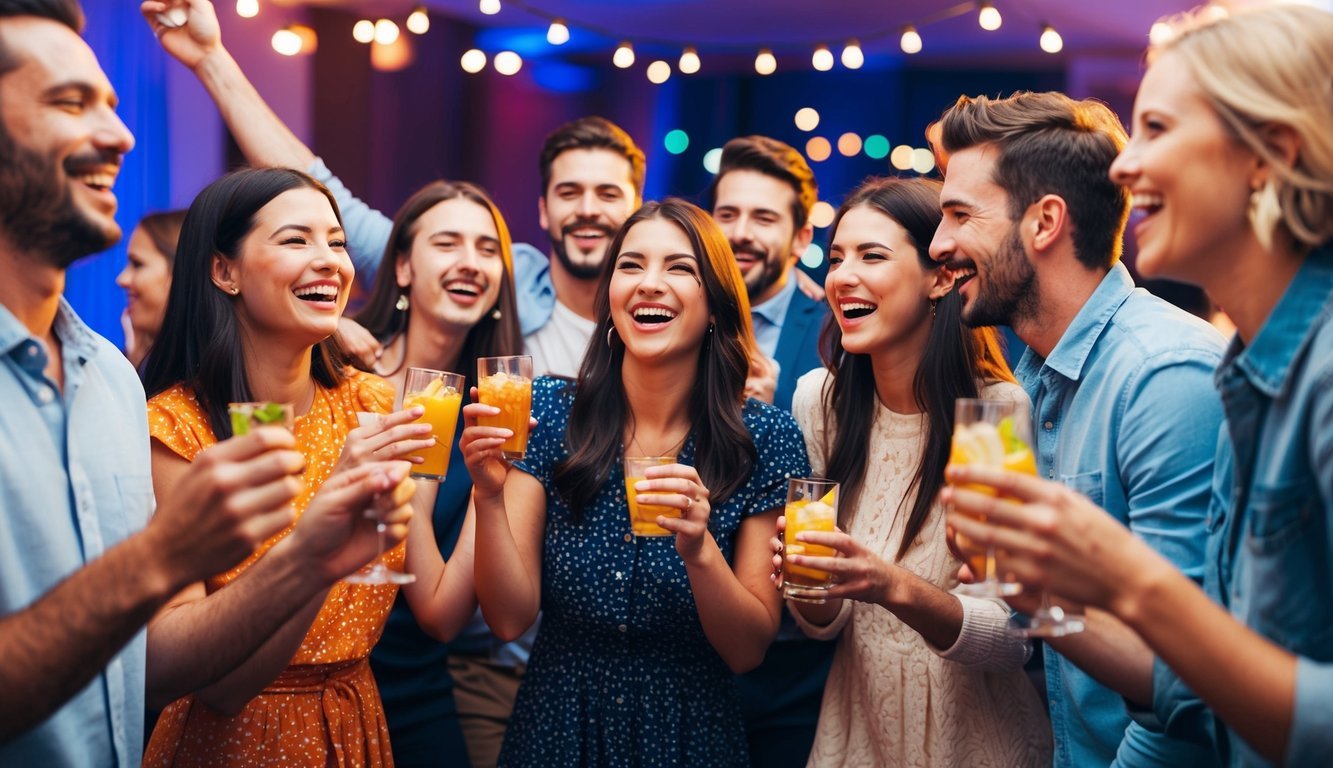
<point>377,572</point>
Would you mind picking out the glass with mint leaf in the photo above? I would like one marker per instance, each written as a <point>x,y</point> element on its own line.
<point>247,416</point>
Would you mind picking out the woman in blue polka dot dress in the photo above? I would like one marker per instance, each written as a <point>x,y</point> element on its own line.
<point>640,636</point>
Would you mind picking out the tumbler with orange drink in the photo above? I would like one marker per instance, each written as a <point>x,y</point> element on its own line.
<point>506,383</point>
<point>812,505</point>
<point>441,394</point>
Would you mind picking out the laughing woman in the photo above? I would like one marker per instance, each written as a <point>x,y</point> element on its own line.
<point>640,636</point>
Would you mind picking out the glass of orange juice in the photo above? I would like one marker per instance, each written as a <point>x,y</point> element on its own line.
<point>441,394</point>
<point>812,505</point>
<point>506,383</point>
<point>643,517</point>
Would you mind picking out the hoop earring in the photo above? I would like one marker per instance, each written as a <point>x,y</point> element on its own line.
<point>403,303</point>
<point>610,330</point>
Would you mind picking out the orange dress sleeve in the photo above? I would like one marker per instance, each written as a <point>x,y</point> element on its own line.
<point>176,420</point>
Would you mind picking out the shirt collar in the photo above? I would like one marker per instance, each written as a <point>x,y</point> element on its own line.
<point>1304,307</point>
<point>774,310</point>
<point>75,336</point>
<point>1075,345</point>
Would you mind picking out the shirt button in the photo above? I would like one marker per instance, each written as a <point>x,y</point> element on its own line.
<point>628,537</point>
<point>623,628</point>
<point>1049,425</point>
<point>45,394</point>
<point>620,699</point>
<point>620,575</point>
<point>32,350</point>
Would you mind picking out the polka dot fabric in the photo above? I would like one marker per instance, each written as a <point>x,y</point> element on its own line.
<point>324,709</point>
<point>621,673</point>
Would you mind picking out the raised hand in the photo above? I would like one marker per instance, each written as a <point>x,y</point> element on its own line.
<point>762,380</point>
<point>393,437</point>
<point>359,342</point>
<point>189,43</point>
<point>482,449</point>
<point>338,533</point>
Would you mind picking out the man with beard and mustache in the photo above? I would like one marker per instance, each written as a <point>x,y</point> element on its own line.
<point>762,196</point>
<point>1123,405</point>
<point>85,561</point>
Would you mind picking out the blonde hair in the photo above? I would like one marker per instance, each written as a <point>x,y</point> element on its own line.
<point>1265,67</point>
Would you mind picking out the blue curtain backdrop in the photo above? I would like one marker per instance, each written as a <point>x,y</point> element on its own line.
<point>137,70</point>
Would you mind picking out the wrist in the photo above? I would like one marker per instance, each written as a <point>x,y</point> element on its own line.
<point>298,566</point>
<point>161,576</point>
<point>1136,595</point>
<point>215,67</point>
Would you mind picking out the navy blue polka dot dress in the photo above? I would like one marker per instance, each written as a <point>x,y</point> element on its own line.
<point>621,673</point>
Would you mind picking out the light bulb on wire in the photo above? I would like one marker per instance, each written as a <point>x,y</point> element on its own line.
<point>418,22</point>
<point>364,31</point>
<point>247,9</point>
<point>624,56</point>
<point>852,57</point>
<point>765,63</point>
<point>508,63</point>
<point>473,61</point>
<point>386,32</point>
<point>489,7</point>
<point>989,16</point>
<point>1051,42</point>
<point>689,61</point>
<point>557,33</point>
<point>659,72</point>
<point>911,40</point>
<point>822,59</point>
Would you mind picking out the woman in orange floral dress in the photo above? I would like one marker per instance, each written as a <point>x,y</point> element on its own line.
<point>262,278</point>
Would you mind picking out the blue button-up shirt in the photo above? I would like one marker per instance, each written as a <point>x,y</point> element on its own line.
<point>1270,531</point>
<point>74,481</point>
<point>768,316</point>
<point>1124,412</point>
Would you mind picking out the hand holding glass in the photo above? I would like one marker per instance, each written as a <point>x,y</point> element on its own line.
<point>440,393</point>
<point>812,505</point>
<point>506,383</point>
<point>377,572</point>
<point>643,517</point>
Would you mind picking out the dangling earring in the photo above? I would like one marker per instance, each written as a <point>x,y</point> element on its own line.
<point>933,303</point>
<point>609,331</point>
<point>497,314</point>
<point>710,329</point>
<point>1264,213</point>
<point>402,304</point>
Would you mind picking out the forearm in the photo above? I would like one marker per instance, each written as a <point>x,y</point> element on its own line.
<point>197,644</point>
<point>442,597</point>
<point>1197,638</point>
<point>1113,654</point>
<point>231,693</point>
<point>54,647</point>
<point>738,624</point>
<point>933,613</point>
<point>262,136</point>
<point>509,594</point>
<point>818,614</point>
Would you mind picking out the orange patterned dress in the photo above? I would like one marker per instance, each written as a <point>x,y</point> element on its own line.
<point>324,709</point>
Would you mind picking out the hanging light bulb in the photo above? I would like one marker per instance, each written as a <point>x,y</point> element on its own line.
<point>989,16</point>
<point>689,61</point>
<point>1051,42</point>
<point>508,63</point>
<point>822,59</point>
<point>386,32</point>
<point>364,31</point>
<point>473,61</point>
<point>852,57</point>
<point>286,42</point>
<point>624,56</point>
<point>659,72</point>
<point>557,33</point>
<point>418,22</point>
<point>911,40</point>
<point>765,63</point>
<point>247,9</point>
<point>489,7</point>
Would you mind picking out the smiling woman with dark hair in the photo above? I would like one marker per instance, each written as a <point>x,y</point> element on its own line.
<point>640,636</point>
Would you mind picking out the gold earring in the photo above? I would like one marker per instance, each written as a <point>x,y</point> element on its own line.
<point>402,304</point>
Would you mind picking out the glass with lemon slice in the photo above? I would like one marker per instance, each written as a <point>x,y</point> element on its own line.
<point>812,505</point>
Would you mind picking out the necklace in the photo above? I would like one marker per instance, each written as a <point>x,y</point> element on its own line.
<point>672,451</point>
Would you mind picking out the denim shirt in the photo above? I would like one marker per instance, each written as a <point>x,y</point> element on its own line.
<point>368,234</point>
<point>74,482</point>
<point>1269,527</point>
<point>1124,412</point>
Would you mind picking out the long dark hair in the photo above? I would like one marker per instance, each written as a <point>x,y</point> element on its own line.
<point>724,451</point>
<point>200,342</point>
<point>954,359</point>
<point>491,336</point>
<point>164,229</point>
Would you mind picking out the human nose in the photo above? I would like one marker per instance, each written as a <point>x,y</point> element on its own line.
<point>588,205</point>
<point>942,244</point>
<point>651,280</point>
<point>1125,167</point>
<point>123,279</point>
<point>112,133</point>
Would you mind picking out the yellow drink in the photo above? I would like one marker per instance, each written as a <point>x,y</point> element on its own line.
<point>995,445</point>
<point>807,515</point>
<point>441,404</point>
<point>643,517</point>
<point>513,396</point>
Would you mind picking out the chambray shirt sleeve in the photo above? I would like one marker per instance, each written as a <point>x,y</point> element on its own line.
<point>367,228</point>
<point>1168,438</point>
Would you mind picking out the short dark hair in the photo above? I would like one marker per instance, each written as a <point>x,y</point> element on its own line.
<point>1050,144</point>
<point>67,12</point>
<point>592,132</point>
<point>771,158</point>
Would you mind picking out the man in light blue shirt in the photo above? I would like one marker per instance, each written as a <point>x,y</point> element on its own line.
<point>1120,381</point>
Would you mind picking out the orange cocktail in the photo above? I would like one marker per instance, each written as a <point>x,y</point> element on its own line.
<point>812,505</point>
<point>440,394</point>
<point>506,383</point>
<point>643,517</point>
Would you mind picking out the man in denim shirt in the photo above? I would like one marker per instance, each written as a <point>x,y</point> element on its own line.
<point>1120,381</point>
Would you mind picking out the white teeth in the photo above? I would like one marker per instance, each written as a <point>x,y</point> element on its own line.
<point>1141,200</point>
<point>587,233</point>
<point>854,305</point>
<point>654,312</point>
<point>103,180</point>
<point>462,285</point>
<point>326,291</point>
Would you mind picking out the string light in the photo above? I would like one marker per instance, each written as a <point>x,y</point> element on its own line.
<point>849,144</point>
<point>910,41</point>
<point>852,57</point>
<point>765,63</point>
<point>1051,42</point>
<point>901,157</point>
<point>286,42</point>
<point>689,61</point>
<point>247,9</point>
<point>923,160</point>
<point>807,118</point>
<point>713,160</point>
<point>386,32</point>
<point>822,214</point>
<point>822,59</point>
<point>557,33</point>
<point>473,61</point>
<point>659,72</point>
<point>364,31</point>
<point>818,149</point>
<point>508,63</point>
<point>624,56</point>
<point>989,17</point>
<point>418,22</point>
<point>489,7</point>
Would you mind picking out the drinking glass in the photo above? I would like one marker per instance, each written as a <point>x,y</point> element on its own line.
<point>377,572</point>
<point>246,416</point>
<point>994,433</point>
<point>643,517</point>
<point>506,383</point>
<point>812,505</point>
<point>441,394</point>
